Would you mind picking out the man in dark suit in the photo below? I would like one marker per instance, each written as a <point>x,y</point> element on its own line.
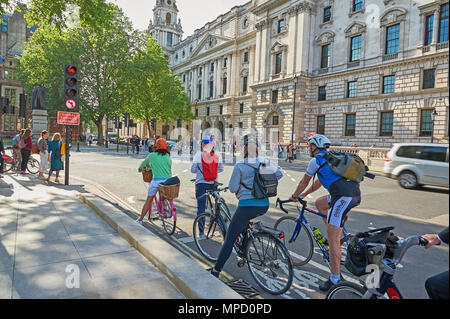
<point>437,286</point>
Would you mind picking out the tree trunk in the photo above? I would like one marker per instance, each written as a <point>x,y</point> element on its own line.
<point>99,123</point>
<point>147,122</point>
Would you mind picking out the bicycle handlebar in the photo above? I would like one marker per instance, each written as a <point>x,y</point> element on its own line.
<point>281,202</point>
<point>212,192</point>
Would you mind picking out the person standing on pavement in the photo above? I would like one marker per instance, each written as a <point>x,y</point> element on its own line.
<point>90,140</point>
<point>161,165</point>
<point>206,165</point>
<point>437,286</point>
<point>138,144</point>
<point>2,152</point>
<point>43,153</point>
<point>133,143</point>
<point>343,196</point>
<point>56,163</point>
<point>249,207</point>
<point>25,146</point>
<point>17,154</point>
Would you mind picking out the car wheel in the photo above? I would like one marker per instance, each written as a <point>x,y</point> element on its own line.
<point>408,180</point>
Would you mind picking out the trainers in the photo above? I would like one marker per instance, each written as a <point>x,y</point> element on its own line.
<point>139,221</point>
<point>328,284</point>
<point>214,273</point>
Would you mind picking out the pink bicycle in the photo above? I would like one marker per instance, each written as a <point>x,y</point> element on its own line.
<point>167,213</point>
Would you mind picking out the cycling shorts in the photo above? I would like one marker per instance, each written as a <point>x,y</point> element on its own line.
<point>344,195</point>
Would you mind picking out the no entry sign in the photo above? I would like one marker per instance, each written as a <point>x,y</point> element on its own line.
<point>68,118</point>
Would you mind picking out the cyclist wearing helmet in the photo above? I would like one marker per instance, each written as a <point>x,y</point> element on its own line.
<point>161,166</point>
<point>249,207</point>
<point>343,196</point>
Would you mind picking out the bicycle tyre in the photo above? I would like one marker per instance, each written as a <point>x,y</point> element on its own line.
<point>349,290</point>
<point>302,249</point>
<point>169,222</point>
<point>275,285</point>
<point>214,236</point>
<point>8,164</point>
<point>33,166</point>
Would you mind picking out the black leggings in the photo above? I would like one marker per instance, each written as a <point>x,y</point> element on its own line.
<point>238,225</point>
<point>25,157</point>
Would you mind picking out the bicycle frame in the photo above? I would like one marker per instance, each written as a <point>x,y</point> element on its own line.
<point>158,200</point>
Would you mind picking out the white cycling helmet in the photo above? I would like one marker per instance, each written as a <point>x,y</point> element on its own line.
<point>321,141</point>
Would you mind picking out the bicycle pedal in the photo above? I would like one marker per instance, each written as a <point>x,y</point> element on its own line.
<point>241,263</point>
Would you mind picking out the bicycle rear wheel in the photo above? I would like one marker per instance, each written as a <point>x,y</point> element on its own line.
<point>269,263</point>
<point>302,248</point>
<point>209,235</point>
<point>168,218</point>
<point>346,290</point>
<point>8,163</point>
<point>33,166</point>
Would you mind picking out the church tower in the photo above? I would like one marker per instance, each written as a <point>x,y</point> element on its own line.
<point>166,26</point>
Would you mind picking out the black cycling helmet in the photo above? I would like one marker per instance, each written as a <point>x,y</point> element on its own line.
<point>357,260</point>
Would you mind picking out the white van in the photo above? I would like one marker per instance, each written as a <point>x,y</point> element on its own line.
<point>416,164</point>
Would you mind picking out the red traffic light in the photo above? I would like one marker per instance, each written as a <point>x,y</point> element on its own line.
<point>72,70</point>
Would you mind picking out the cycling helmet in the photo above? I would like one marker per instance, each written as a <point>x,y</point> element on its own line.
<point>308,136</point>
<point>321,141</point>
<point>357,260</point>
<point>161,144</point>
<point>207,140</point>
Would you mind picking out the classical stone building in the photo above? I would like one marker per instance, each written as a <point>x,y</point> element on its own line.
<point>359,71</point>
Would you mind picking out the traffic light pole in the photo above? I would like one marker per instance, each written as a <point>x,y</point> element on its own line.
<point>66,175</point>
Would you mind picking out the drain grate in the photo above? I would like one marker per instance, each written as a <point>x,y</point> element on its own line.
<point>243,288</point>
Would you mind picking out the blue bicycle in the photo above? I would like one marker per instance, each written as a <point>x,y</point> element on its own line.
<point>300,243</point>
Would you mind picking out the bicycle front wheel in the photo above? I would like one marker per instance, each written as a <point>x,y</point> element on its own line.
<point>225,212</point>
<point>33,166</point>
<point>302,248</point>
<point>269,263</point>
<point>346,290</point>
<point>168,218</point>
<point>209,235</point>
<point>8,163</point>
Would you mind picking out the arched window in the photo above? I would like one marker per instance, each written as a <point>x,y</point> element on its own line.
<point>168,18</point>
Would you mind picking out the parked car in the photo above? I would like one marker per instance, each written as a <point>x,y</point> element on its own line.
<point>414,165</point>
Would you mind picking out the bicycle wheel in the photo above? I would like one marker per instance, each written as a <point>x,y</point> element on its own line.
<point>302,249</point>
<point>33,166</point>
<point>346,290</point>
<point>269,263</point>
<point>209,235</point>
<point>224,210</point>
<point>168,218</point>
<point>8,163</point>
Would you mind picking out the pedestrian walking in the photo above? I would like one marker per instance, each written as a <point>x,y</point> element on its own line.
<point>90,140</point>
<point>138,144</point>
<point>2,152</point>
<point>133,144</point>
<point>56,163</point>
<point>25,145</point>
<point>43,153</point>
<point>206,166</point>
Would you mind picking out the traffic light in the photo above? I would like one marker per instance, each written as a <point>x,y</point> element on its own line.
<point>125,119</point>
<point>22,105</point>
<point>71,86</point>
<point>179,123</point>
<point>153,124</point>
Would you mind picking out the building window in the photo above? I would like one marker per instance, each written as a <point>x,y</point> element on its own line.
<point>322,93</point>
<point>429,29</point>
<point>196,112</point>
<point>169,39</point>
<point>325,58</point>
<point>386,123</point>
<point>207,111</point>
<point>220,109</point>
<point>278,60</point>
<point>241,108</point>
<point>321,124</point>
<point>245,56</point>
<point>244,84</point>
<point>352,88</point>
<point>392,39</point>
<point>224,85</point>
<point>357,5</point>
<point>11,95</point>
<point>326,14</point>
<point>184,78</point>
<point>388,84</point>
<point>426,123</point>
<point>429,77</point>
<point>199,91</point>
<point>275,120</point>
<point>281,25</point>
<point>225,60</point>
<point>443,23</point>
<point>211,88</point>
<point>211,68</point>
<point>241,125</point>
<point>350,124</point>
<point>275,96</point>
<point>355,53</point>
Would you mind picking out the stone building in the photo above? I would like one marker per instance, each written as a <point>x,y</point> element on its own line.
<point>362,72</point>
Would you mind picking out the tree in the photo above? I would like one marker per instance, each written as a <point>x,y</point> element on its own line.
<point>101,57</point>
<point>152,91</point>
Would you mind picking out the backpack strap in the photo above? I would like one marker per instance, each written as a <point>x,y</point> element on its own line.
<point>245,186</point>
<point>321,166</point>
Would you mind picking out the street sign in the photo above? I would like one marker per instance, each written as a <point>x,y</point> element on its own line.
<point>68,118</point>
<point>71,104</point>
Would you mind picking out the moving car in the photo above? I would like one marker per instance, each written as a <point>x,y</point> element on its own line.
<point>415,164</point>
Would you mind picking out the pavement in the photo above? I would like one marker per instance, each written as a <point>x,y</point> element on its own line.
<point>61,242</point>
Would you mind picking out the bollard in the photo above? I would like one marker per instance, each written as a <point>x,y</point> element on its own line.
<point>78,147</point>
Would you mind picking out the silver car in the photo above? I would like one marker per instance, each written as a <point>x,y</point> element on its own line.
<point>414,164</point>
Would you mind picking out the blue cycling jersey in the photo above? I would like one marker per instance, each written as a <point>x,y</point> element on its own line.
<point>326,176</point>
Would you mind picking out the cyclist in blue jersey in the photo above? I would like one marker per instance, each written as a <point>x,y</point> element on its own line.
<point>343,196</point>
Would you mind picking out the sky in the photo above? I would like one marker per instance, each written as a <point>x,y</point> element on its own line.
<point>193,13</point>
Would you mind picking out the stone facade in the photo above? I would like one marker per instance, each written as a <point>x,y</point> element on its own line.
<point>381,66</point>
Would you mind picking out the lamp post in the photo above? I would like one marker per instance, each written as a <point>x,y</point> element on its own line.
<point>433,117</point>
<point>293,115</point>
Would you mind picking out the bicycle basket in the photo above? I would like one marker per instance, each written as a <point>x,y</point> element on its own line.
<point>169,192</point>
<point>147,175</point>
